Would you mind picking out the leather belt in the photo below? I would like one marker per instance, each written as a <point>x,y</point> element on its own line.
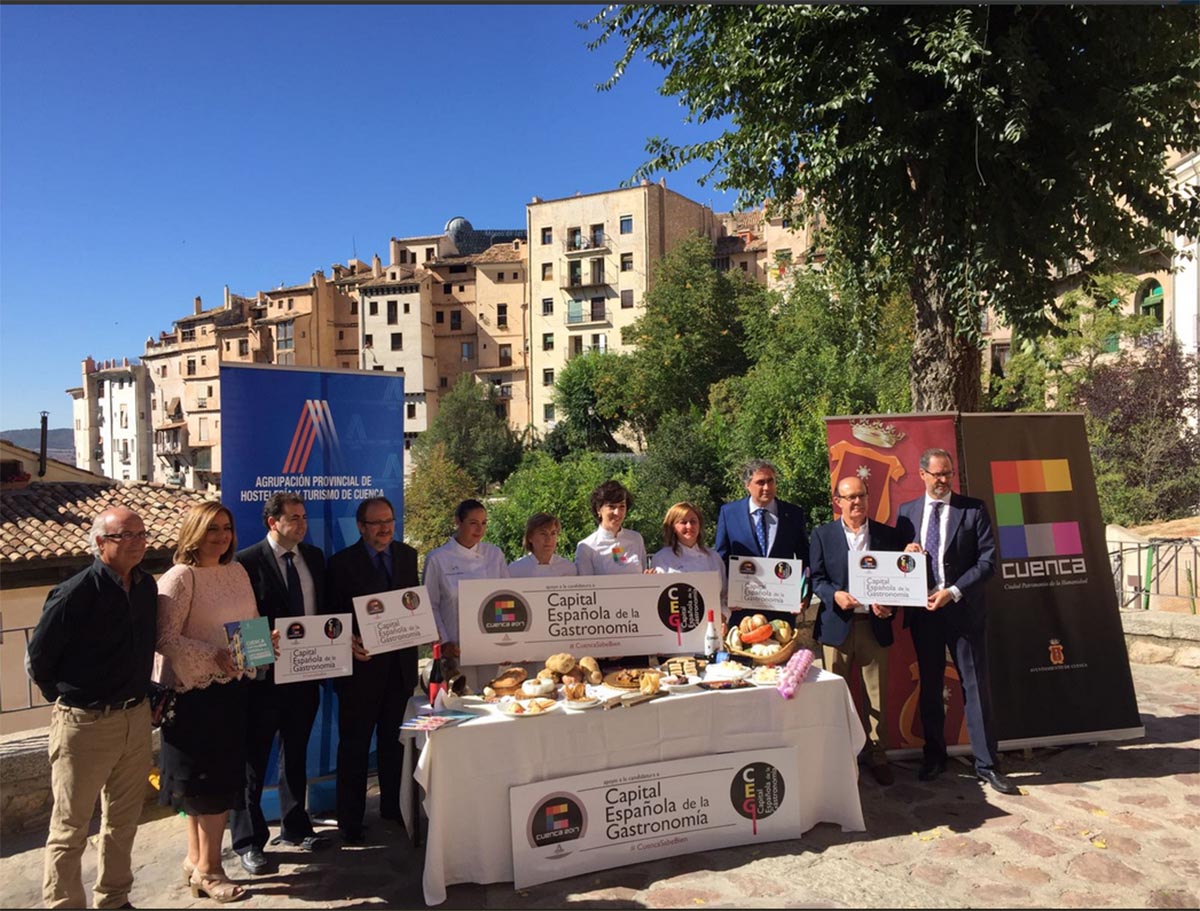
<point>105,707</point>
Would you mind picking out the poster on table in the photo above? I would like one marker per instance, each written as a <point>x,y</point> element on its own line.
<point>896,579</point>
<point>1055,639</point>
<point>314,647</point>
<point>765,583</point>
<point>568,826</point>
<point>885,451</point>
<point>396,619</point>
<point>509,620</point>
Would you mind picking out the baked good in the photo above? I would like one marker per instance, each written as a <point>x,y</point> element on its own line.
<point>649,682</point>
<point>575,692</point>
<point>562,663</point>
<point>591,667</point>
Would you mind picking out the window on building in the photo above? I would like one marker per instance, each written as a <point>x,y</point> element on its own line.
<point>284,335</point>
<point>397,341</point>
<point>447,288</point>
<point>410,410</point>
<point>547,341</point>
<point>547,271</point>
<point>243,347</point>
<point>440,316</point>
<point>428,254</point>
<point>626,262</point>
<point>228,345</point>
<point>457,270</point>
<point>354,308</point>
<point>574,273</point>
<point>574,238</point>
<point>443,382</point>
<point>745,266</point>
<point>599,341</point>
<point>1001,351</point>
<point>597,271</point>
<point>341,335</point>
<point>187,335</point>
<point>598,314</point>
<point>373,308</point>
<point>368,340</point>
<point>202,426</point>
<point>203,362</point>
<point>191,366</point>
<point>548,412</point>
<point>626,224</point>
<point>1150,300</point>
<point>468,350</point>
<point>506,355</point>
<point>547,235</point>
<point>406,307</point>
<point>501,409</point>
<point>209,391</point>
<point>501,316</point>
<point>548,377</point>
<point>627,299</point>
<point>289,303</point>
<point>499,276</point>
<point>598,235</point>
<point>547,306</point>
<point>393,314</point>
<point>462,288</point>
<point>455,320</point>
<point>123,420</point>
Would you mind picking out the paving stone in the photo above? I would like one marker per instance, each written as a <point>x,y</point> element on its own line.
<point>963,847</point>
<point>1035,843</point>
<point>1120,844</point>
<point>680,897</point>
<point>881,855</point>
<point>1171,843</point>
<point>934,874</point>
<point>998,894</point>
<point>1098,868</point>
<point>1148,800</point>
<point>1076,899</point>
<point>1133,821</point>
<point>1033,876</point>
<point>1172,898</point>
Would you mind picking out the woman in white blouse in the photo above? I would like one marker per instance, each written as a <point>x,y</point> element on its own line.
<point>610,548</point>
<point>683,552</point>
<point>203,750</point>
<point>540,542</point>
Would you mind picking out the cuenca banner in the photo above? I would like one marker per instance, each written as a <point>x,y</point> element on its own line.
<point>508,620</point>
<point>335,437</point>
<point>885,451</point>
<point>611,818</point>
<point>1055,640</point>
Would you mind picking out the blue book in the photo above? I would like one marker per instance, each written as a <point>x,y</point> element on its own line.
<point>250,642</point>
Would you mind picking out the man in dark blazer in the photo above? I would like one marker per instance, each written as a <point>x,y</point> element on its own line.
<point>760,525</point>
<point>852,633</point>
<point>372,700</point>
<point>288,577</point>
<point>955,533</point>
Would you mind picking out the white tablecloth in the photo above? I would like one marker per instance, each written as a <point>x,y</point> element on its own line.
<point>467,769</point>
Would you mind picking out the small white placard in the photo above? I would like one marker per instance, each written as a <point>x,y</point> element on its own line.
<point>313,647</point>
<point>888,577</point>
<point>395,619</point>
<point>765,583</point>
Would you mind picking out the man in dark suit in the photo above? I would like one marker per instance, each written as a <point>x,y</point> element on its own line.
<point>372,700</point>
<point>288,577</point>
<point>955,533</point>
<point>759,525</point>
<point>850,632</point>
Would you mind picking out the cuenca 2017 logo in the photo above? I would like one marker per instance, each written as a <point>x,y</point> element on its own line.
<point>1034,550</point>
<point>756,791</point>
<point>558,818</point>
<point>681,608</point>
<point>504,612</point>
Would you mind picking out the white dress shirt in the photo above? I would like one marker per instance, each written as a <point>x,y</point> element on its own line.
<point>446,566</point>
<point>940,556</point>
<point>857,540</point>
<point>307,587</point>
<point>770,521</point>
<point>528,567</point>
<point>604,554</point>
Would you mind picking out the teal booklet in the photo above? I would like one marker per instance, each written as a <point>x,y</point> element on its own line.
<point>250,642</point>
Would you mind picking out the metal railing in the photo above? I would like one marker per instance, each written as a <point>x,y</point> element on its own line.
<point>585,242</point>
<point>8,646</point>
<point>1159,568</point>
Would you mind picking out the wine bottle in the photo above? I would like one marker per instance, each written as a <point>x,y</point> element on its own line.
<point>435,674</point>
<point>712,642</point>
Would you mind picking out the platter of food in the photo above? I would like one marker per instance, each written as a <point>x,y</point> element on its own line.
<point>765,675</point>
<point>685,667</point>
<point>727,670</point>
<point>729,683</point>
<point>680,683</point>
<point>529,708</point>
<point>629,678</point>
<point>576,696</point>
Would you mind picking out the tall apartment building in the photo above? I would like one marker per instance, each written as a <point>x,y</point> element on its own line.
<point>502,307</point>
<point>110,410</point>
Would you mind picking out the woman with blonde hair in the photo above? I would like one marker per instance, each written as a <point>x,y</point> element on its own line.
<point>540,543</point>
<point>683,550</point>
<point>203,751</point>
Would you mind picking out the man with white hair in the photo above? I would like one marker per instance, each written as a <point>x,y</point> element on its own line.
<point>91,655</point>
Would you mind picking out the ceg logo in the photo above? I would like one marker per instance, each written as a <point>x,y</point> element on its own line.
<point>1043,548</point>
<point>556,819</point>
<point>756,792</point>
<point>681,608</point>
<point>503,613</point>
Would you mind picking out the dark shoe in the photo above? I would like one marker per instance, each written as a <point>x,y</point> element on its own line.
<point>882,774</point>
<point>307,843</point>
<point>352,836</point>
<point>124,906</point>
<point>997,781</point>
<point>255,862</point>
<point>931,769</point>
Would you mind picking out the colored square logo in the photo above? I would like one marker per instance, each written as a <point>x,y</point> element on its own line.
<point>1067,540</point>
<point>1030,477</point>
<point>1039,540</point>
<point>1004,478</point>
<point>1058,475</point>
<point>1012,541</point>
<point>1008,509</point>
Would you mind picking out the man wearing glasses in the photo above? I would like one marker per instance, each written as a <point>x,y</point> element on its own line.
<point>850,632</point>
<point>372,699</point>
<point>91,655</point>
<point>955,534</point>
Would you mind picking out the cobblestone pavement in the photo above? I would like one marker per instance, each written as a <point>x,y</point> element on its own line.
<point>1109,825</point>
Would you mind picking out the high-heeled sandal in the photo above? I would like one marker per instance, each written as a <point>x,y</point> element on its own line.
<point>216,886</point>
<point>188,867</point>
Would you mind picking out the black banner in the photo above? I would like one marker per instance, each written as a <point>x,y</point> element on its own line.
<point>1056,649</point>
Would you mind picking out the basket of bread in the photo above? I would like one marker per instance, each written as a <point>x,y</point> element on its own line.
<point>762,641</point>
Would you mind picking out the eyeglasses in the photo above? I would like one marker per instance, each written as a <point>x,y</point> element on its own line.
<point>940,475</point>
<point>128,536</point>
<point>854,496</point>
<point>391,521</point>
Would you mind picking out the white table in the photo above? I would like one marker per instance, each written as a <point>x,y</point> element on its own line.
<point>467,769</point>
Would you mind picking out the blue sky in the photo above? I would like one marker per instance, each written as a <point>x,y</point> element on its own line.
<point>149,154</point>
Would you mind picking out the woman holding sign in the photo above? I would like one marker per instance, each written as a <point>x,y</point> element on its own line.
<point>204,750</point>
<point>540,543</point>
<point>683,552</point>
<point>465,556</point>
<point>611,548</point>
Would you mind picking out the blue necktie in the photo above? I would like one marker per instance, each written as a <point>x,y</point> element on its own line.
<point>933,543</point>
<point>381,561</point>
<point>760,530</point>
<point>295,593</point>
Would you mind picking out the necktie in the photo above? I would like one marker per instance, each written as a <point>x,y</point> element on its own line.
<point>760,530</point>
<point>933,543</point>
<point>295,594</point>
<point>381,562</point>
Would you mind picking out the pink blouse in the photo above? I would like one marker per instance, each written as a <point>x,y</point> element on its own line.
<point>194,604</point>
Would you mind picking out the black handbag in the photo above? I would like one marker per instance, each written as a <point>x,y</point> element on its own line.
<point>162,705</point>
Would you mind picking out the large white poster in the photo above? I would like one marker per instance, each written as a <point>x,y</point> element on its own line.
<point>568,826</point>
<point>510,620</point>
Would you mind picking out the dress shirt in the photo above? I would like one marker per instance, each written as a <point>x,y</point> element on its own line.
<point>940,556</point>
<point>95,641</point>
<point>446,566</point>
<point>604,554</point>
<point>857,540</point>
<point>307,587</point>
<point>770,520</point>
<point>528,567</point>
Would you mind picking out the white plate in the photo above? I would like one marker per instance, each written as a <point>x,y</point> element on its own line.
<point>753,679</point>
<point>507,710</point>
<point>693,684</point>
<point>727,671</point>
<point>578,705</point>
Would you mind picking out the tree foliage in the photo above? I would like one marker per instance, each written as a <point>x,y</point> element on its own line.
<point>588,397</point>
<point>437,485</point>
<point>471,434</point>
<point>963,150</point>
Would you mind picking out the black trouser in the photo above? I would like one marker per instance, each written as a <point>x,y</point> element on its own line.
<point>290,710</point>
<point>372,701</point>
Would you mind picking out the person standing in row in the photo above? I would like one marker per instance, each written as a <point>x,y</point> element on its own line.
<point>540,543</point>
<point>611,548</point>
<point>91,655</point>
<point>372,699</point>
<point>683,546</point>
<point>955,533</point>
<point>288,577</point>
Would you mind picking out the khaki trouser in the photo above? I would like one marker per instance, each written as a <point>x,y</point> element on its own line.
<point>95,753</point>
<point>863,648</point>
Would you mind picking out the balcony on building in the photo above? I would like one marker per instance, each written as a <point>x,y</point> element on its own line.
<point>170,439</point>
<point>579,241</point>
<point>577,278</point>
<point>587,314</point>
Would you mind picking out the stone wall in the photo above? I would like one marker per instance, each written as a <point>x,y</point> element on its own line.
<point>1157,637</point>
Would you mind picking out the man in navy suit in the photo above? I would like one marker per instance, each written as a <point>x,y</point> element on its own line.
<point>288,577</point>
<point>850,632</point>
<point>372,699</point>
<point>955,533</point>
<point>759,525</point>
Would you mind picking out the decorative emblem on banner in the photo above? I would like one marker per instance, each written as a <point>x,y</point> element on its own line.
<point>877,433</point>
<point>911,734</point>
<point>681,608</point>
<point>757,791</point>
<point>880,470</point>
<point>557,819</point>
<point>503,613</point>
<point>316,420</point>
<point>1056,652</point>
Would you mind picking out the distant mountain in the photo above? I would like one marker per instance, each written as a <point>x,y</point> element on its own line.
<point>60,439</point>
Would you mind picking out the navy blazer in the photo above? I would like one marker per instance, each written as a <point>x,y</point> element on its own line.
<point>736,537</point>
<point>970,554</point>
<point>270,588</point>
<point>831,573</point>
<point>351,574</point>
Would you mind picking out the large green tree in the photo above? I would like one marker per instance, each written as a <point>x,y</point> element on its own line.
<point>473,436</point>
<point>588,397</point>
<point>973,150</point>
<point>436,487</point>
